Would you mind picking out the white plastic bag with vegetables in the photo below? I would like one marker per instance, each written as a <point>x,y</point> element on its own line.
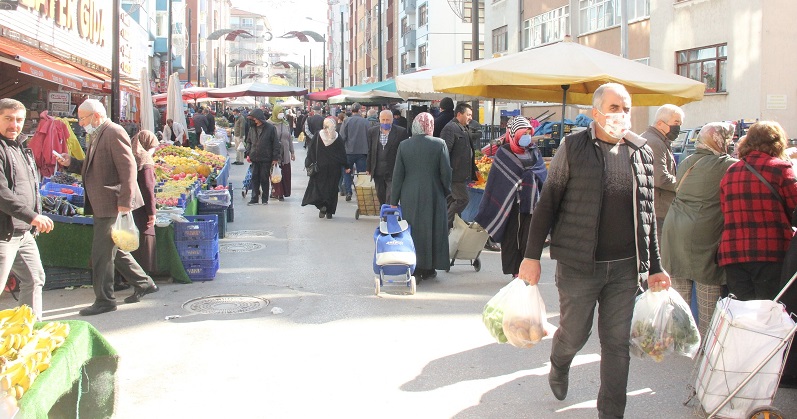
<point>516,314</point>
<point>124,232</point>
<point>663,324</point>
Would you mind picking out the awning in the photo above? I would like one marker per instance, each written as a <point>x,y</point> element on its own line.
<point>42,65</point>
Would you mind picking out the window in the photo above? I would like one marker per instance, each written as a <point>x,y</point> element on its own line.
<point>161,24</point>
<point>405,26</point>
<point>500,39</point>
<point>467,51</point>
<point>404,62</point>
<point>247,22</point>
<point>638,9</point>
<point>707,64</point>
<point>467,11</point>
<point>423,14</point>
<point>422,56</point>
<point>547,27</point>
<point>598,14</point>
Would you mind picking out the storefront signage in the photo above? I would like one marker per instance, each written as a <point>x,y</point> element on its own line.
<point>87,17</point>
<point>59,97</point>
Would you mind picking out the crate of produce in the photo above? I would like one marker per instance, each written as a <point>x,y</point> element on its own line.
<point>213,199</point>
<point>202,270</point>
<point>59,187</point>
<point>221,216</point>
<point>198,227</point>
<point>197,249</point>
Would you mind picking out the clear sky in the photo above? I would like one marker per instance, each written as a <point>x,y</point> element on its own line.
<point>291,15</point>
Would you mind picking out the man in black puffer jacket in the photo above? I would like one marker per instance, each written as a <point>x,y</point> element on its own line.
<point>263,149</point>
<point>597,204</point>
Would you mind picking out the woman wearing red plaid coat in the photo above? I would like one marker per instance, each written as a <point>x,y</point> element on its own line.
<point>757,226</point>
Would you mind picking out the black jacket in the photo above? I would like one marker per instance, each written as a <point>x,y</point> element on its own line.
<point>571,210</point>
<point>262,144</point>
<point>441,121</point>
<point>10,205</point>
<point>394,138</point>
<point>460,151</point>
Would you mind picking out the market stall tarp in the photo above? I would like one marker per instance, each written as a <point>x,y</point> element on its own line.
<point>541,73</point>
<point>370,98</point>
<point>291,101</point>
<point>418,86</point>
<point>257,89</point>
<point>147,117</point>
<point>244,102</point>
<point>81,380</point>
<point>323,95</point>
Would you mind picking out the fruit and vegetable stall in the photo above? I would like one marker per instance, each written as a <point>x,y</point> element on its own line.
<point>54,369</point>
<point>182,175</point>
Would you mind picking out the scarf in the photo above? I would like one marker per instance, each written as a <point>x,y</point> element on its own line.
<point>142,143</point>
<point>715,137</point>
<point>423,124</point>
<point>513,179</point>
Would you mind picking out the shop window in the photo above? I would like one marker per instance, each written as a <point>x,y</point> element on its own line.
<point>706,64</point>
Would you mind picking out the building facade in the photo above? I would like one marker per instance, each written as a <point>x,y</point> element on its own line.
<point>246,59</point>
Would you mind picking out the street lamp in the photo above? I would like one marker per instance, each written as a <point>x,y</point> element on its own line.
<point>302,36</point>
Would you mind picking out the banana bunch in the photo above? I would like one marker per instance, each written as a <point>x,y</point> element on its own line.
<point>25,352</point>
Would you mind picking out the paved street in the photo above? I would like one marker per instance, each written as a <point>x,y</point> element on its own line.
<point>337,350</point>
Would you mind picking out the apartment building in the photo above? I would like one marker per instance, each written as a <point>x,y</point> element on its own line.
<point>246,56</point>
<point>435,33</point>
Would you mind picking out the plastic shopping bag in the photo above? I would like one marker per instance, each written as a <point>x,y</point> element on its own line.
<point>663,324</point>
<point>276,174</point>
<point>124,232</point>
<point>516,314</point>
<point>241,147</point>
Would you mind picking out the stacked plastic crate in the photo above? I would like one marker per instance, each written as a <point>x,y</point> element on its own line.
<point>197,244</point>
<point>215,202</point>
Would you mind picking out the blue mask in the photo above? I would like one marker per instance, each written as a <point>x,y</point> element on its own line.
<point>385,126</point>
<point>524,141</point>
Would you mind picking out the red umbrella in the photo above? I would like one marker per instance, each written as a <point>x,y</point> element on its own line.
<point>323,95</point>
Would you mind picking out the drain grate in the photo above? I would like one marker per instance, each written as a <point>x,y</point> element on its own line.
<point>236,234</point>
<point>225,304</point>
<point>239,247</point>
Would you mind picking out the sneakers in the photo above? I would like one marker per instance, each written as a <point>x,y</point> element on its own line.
<point>251,203</point>
<point>348,197</point>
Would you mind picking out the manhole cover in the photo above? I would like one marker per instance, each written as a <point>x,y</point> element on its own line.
<point>225,304</point>
<point>248,233</point>
<point>239,247</point>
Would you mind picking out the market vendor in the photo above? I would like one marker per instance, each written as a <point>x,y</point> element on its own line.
<point>109,177</point>
<point>20,209</point>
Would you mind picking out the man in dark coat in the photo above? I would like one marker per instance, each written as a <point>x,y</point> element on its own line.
<point>398,119</point>
<point>445,116</point>
<point>460,150</point>
<point>210,121</point>
<point>383,143</point>
<point>200,123</point>
<point>263,150</point>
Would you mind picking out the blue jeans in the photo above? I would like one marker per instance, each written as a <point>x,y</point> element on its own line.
<point>20,255</point>
<point>612,286</point>
<point>356,162</point>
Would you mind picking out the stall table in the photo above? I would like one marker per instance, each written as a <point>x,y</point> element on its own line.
<point>80,382</point>
<point>69,246</point>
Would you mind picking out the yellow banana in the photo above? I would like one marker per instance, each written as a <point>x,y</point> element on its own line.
<point>7,313</point>
<point>12,391</point>
<point>20,391</point>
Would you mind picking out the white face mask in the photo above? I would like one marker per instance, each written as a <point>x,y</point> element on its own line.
<point>617,124</point>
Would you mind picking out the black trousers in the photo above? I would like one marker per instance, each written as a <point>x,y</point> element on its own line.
<point>754,280</point>
<point>261,179</point>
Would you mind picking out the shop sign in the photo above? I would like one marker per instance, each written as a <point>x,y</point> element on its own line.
<point>59,97</point>
<point>84,16</point>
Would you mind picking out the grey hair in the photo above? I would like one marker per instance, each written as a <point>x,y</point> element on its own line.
<point>93,106</point>
<point>665,112</point>
<point>371,112</point>
<point>386,112</point>
<point>597,97</point>
<point>13,104</point>
<point>355,107</point>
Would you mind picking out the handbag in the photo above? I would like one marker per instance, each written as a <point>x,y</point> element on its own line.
<point>312,168</point>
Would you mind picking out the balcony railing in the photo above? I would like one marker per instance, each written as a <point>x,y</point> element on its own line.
<point>408,39</point>
<point>409,7</point>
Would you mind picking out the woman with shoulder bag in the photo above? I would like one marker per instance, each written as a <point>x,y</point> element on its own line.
<point>758,195</point>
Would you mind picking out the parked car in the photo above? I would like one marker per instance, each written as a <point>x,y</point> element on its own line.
<point>684,145</point>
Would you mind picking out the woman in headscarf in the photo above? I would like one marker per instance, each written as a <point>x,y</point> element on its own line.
<point>143,145</point>
<point>328,152</point>
<point>693,225</point>
<point>421,181</point>
<point>758,195</point>
<point>512,190</point>
<point>282,189</point>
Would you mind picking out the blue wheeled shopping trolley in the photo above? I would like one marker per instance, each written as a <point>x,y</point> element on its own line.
<point>394,253</point>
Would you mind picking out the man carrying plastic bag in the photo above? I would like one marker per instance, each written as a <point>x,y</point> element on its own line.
<point>597,204</point>
<point>516,314</point>
<point>663,324</point>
